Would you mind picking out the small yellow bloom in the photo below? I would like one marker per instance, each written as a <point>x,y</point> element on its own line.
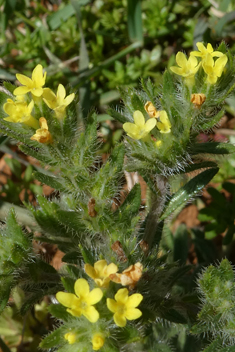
<point>198,99</point>
<point>158,144</point>
<point>59,101</point>
<point>187,68</point>
<point>101,271</point>
<point>163,122</point>
<point>70,337</point>
<point>81,303</point>
<point>151,110</point>
<point>20,112</point>
<point>98,340</point>
<point>139,129</point>
<point>42,135</point>
<point>33,85</point>
<point>124,307</point>
<point>204,51</point>
<point>214,69</point>
<point>129,277</point>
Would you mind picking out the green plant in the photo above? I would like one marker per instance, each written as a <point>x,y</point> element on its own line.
<point>107,243</point>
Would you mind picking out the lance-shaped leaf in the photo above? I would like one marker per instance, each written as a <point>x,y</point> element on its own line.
<point>212,148</point>
<point>188,191</point>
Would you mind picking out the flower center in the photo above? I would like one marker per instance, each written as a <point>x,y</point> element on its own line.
<point>121,309</point>
<point>83,305</point>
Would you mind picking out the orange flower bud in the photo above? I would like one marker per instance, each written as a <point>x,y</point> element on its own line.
<point>129,276</point>
<point>198,99</point>
<point>151,110</point>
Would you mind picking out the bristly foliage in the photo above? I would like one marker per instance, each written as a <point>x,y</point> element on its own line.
<point>102,227</point>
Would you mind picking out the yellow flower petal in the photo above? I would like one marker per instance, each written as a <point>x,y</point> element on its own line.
<point>134,300</point>
<point>61,93</point>
<point>37,76</point>
<point>139,118</point>
<point>201,47</point>
<point>119,320</point>
<point>209,48</point>
<point>131,129</point>
<point>122,295</point>
<point>181,59</point>
<point>37,92</point>
<point>132,313</point>
<point>150,124</point>
<point>90,271</point>
<point>94,296</point>
<point>112,305</point>
<point>69,99</point>
<point>91,314</point>
<point>21,90</point>
<point>100,266</point>
<point>220,64</point>
<point>67,299</point>
<point>111,269</point>
<point>176,70</point>
<point>26,81</point>
<point>81,288</point>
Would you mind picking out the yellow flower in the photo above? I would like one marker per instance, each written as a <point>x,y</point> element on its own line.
<point>187,68</point>
<point>158,144</point>
<point>163,122</point>
<point>97,341</point>
<point>129,277</point>
<point>42,135</point>
<point>33,85</point>
<point>81,303</point>
<point>204,51</point>
<point>139,129</point>
<point>57,102</point>
<point>151,110</point>
<point>20,112</point>
<point>198,99</point>
<point>214,69</point>
<point>70,337</point>
<point>124,307</point>
<point>101,271</point>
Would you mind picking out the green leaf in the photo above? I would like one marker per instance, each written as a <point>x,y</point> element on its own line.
<point>181,244</point>
<point>6,283</point>
<point>6,75</point>
<point>131,205</point>
<point>134,20</point>
<point>168,89</point>
<point>59,311</point>
<point>117,115</point>
<point>212,148</point>
<point>54,339</point>
<point>137,103</point>
<point>188,191</point>
<point>51,181</point>
<point>3,346</point>
<point>15,166</point>
<point>198,166</point>
<point>58,17</point>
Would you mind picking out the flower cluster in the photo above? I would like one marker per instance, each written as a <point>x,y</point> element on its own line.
<point>20,110</point>
<point>188,68</point>
<point>140,129</point>
<point>83,300</point>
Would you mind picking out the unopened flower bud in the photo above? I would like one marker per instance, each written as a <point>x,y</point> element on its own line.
<point>198,99</point>
<point>151,110</point>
